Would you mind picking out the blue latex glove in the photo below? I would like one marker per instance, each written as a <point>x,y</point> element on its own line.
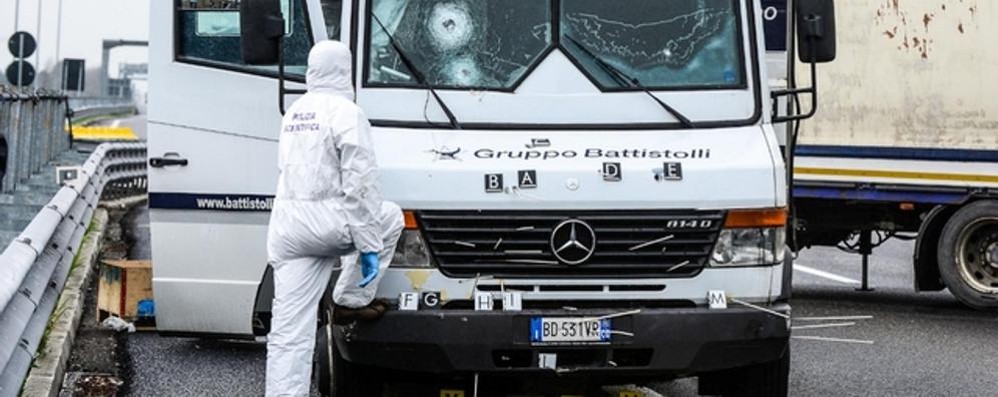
<point>369,267</point>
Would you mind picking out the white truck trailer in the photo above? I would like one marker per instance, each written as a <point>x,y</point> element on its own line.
<point>593,190</point>
<point>907,142</point>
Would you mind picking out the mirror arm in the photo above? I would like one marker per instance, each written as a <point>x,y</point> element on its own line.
<point>282,89</point>
<point>280,75</point>
<point>812,90</point>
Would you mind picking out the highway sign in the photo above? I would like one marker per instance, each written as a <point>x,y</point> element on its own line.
<point>73,74</point>
<point>20,73</point>
<point>22,44</point>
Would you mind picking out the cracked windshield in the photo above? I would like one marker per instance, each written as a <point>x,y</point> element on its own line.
<point>667,44</point>
<point>493,44</point>
<point>463,44</point>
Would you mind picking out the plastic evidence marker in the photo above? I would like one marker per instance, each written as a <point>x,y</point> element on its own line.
<point>512,301</point>
<point>409,301</point>
<point>429,300</point>
<point>483,301</point>
<point>547,360</point>
<point>717,299</point>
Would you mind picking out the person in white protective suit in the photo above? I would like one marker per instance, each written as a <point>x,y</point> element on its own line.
<point>328,206</point>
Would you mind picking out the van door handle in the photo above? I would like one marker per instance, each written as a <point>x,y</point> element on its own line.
<point>160,162</point>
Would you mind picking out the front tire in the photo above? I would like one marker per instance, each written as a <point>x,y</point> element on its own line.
<point>337,377</point>
<point>968,255</point>
<point>322,366</point>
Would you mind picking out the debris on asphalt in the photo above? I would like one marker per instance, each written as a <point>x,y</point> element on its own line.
<point>96,348</point>
<point>88,384</point>
<point>118,325</point>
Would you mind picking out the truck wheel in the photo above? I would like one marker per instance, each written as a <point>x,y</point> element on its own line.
<point>968,255</point>
<point>770,379</point>
<point>322,366</point>
<point>336,377</point>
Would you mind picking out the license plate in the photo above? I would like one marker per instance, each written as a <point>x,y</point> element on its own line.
<point>569,330</point>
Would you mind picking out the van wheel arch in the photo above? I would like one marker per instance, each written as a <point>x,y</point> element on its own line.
<point>926,260</point>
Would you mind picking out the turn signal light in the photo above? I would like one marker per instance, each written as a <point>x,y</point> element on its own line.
<point>410,220</point>
<point>741,219</point>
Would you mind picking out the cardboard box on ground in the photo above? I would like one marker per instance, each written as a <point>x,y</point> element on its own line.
<point>125,290</point>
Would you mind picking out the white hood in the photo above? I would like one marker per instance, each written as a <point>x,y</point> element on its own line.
<point>329,69</point>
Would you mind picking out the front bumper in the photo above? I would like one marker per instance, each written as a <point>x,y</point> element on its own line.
<point>666,341</point>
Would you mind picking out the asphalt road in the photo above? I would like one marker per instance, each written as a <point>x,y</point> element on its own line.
<point>911,344</point>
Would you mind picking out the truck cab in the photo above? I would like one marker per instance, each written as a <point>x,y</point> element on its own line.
<point>590,188</point>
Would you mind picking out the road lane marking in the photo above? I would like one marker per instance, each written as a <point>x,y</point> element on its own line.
<point>823,339</point>
<point>824,274</point>
<point>840,318</point>
<point>116,123</point>
<point>819,326</point>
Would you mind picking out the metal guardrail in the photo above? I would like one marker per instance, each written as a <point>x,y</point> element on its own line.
<point>98,106</point>
<point>32,128</point>
<point>34,267</point>
<point>94,102</point>
<point>32,133</point>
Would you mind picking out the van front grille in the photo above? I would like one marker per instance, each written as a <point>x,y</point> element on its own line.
<point>668,244</point>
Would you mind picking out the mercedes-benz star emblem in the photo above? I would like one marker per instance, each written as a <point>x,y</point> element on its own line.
<point>573,242</point>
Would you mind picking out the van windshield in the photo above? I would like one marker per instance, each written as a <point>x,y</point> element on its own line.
<point>489,44</point>
<point>494,44</point>
<point>664,44</point>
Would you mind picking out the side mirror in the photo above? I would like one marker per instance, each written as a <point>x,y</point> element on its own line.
<point>816,30</point>
<point>262,28</point>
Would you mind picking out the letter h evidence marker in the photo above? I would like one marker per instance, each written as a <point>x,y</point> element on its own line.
<point>483,301</point>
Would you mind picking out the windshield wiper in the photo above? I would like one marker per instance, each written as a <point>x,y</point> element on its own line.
<point>624,79</point>
<point>420,77</point>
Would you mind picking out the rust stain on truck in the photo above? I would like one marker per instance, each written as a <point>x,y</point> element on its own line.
<point>892,17</point>
<point>910,81</point>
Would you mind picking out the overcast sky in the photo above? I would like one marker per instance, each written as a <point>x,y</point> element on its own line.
<point>85,23</point>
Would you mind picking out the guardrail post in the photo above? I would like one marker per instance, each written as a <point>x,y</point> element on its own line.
<point>46,132</point>
<point>17,152</point>
<point>5,133</point>
<point>35,132</point>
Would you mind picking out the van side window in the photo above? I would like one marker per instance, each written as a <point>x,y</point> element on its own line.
<point>208,34</point>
